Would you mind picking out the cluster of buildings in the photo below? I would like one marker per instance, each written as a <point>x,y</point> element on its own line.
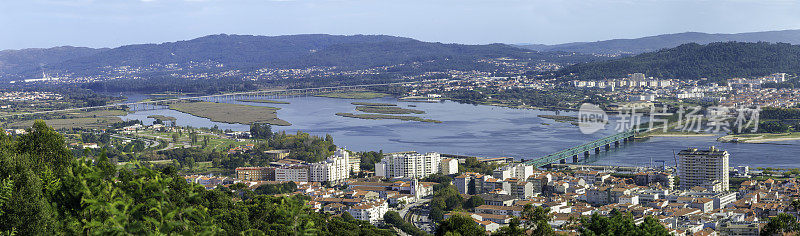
<point>635,80</point>
<point>17,96</point>
<point>744,83</point>
<point>414,165</point>
<point>736,93</point>
<point>335,169</point>
<point>702,204</point>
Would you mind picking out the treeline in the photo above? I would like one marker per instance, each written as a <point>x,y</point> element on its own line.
<point>557,98</point>
<point>471,164</point>
<point>715,61</point>
<point>779,120</point>
<point>44,190</point>
<point>393,218</point>
<point>446,198</point>
<point>272,189</point>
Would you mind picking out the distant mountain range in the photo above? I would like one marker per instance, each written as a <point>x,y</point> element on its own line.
<point>715,61</point>
<point>20,61</point>
<point>655,43</point>
<point>245,52</point>
<point>399,57</point>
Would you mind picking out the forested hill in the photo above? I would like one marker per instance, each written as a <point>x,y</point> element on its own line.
<point>657,42</point>
<point>25,60</point>
<point>233,52</point>
<point>715,61</point>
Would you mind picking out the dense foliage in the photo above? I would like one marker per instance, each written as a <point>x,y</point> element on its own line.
<point>445,198</point>
<point>260,131</point>
<point>715,61</point>
<point>782,224</point>
<point>44,190</point>
<point>533,221</point>
<point>393,218</point>
<point>459,224</point>
<point>556,98</point>
<point>618,223</point>
<point>471,164</point>
<point>368,159</point>
<point>272,189</point>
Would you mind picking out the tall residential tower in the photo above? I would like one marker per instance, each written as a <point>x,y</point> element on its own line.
<point>704,168</point>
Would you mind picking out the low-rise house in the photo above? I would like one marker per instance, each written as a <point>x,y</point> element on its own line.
<point>369,211</point>
<point>497,199</point>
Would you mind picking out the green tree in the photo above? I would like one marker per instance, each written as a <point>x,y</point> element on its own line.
<point>473,202</point>
<point>459,224</point>
<point>781,224</point>
<point>618,223</point>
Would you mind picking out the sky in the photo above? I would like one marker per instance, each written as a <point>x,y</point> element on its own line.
<point>112,23</point>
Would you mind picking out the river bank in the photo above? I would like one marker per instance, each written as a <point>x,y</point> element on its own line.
<point>760,138</point>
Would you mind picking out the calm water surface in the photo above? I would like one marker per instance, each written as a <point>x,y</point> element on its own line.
<point>481,131</point>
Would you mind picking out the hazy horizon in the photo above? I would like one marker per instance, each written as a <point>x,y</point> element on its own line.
<point>96,24</point>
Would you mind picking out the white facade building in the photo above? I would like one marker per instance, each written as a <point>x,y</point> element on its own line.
<point>409,165</point>
<point>520,171</point>
<point>448,166</point>
<point>371,211</point>
<point>333,170</point>
<point>298,173</point>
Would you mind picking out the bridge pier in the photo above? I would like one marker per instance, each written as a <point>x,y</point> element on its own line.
<point>596,150</point>
<point>608,146</point>
<point>586,154</point>
<point>616,143</point>
<point>575,159</point>
<point>562,161</point>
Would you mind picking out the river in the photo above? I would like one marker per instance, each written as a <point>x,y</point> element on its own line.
<point>481,131</point>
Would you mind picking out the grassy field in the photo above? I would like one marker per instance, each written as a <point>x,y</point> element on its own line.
<point>381,117</point>
<point>262,101</point>
<point>214,142</point>
<point>231,113</point>
<point>387,110</point>
<point>353,95</point>
<point>372,104</point>
<point>99,119</point>
<point>69,123</point>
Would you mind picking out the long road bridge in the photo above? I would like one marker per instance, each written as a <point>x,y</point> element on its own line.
<point>162,103</point>
<point>585,149</point>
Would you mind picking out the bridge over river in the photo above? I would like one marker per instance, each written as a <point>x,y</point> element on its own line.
<point>585,149</point>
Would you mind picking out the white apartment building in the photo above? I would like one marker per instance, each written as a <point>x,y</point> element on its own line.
<point>370,211</point>
<point>355,164</point>
<point>448,166</point>
<point>520,171</point>
<point>704,168</point>
<point>296,173</point>
<point>335,169</point>
<point>408,165</point>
